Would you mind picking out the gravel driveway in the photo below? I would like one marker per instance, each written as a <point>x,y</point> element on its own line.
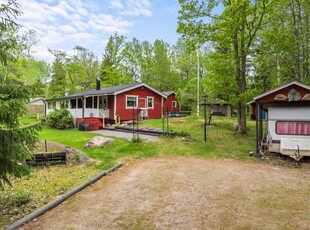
<point>124,135</point>
<point>188,193</point>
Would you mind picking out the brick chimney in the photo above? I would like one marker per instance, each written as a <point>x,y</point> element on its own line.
<point>97,84</point>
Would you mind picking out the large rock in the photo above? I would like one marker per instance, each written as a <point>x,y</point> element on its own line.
<point>98,141</point>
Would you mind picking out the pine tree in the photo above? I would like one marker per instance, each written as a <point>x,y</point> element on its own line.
<point>16,142</point>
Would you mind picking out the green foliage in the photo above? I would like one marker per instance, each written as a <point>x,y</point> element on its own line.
<point>31,72</point>
<point>232,35</point>
<point>58,85</point>
<point>19,199</point>
<point>72,73</point>
<point>60,119</point>
<point>16,142</point>
<point>112,71</point>
<point>283,55</point>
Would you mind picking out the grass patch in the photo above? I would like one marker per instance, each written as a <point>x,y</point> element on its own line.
<point>44,184</point>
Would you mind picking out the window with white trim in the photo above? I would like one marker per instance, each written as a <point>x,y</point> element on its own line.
<point>80,103</point>
<point>293,127</point>
<point>64,104</point>
<point>131,102</point>
<point>73,103</point>
<point>51,105</point>
<point>150,102</point>
<point>174,104</point>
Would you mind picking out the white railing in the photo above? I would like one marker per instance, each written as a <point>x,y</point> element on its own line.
<point>104,113</point>
<point>77,113</point>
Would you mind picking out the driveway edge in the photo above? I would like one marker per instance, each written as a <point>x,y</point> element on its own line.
<point>59,200</point>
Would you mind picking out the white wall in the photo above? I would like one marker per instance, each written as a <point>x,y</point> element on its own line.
<point>286,114</point>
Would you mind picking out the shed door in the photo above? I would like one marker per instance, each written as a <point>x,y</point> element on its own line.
<point>142,103</point>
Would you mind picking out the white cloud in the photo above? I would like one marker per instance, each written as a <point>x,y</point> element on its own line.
<point>82,11</point>
<point>132,7</point>
<point>67,29</point>
<point>116,4</point>
<point>63,24</point>
<point>106,22</point>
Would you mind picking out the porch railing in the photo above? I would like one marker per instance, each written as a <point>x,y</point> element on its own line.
<point>104,113</point>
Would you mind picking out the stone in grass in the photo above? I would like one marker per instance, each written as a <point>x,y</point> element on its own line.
<point>98,141</point>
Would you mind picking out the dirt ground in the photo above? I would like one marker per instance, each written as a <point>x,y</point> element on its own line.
<point>188,193</point>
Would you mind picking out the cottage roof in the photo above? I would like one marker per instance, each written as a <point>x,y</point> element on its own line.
<point>168,93</point>
<point>280,88</point>
<point>36,99</point>
<point>113,90</point>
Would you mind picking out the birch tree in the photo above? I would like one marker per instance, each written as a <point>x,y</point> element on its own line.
<point>233,31</point>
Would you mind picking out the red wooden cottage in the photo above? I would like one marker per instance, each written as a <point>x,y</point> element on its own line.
<point>171,104</point>
<point>287,130</point>
<point>111,105</point>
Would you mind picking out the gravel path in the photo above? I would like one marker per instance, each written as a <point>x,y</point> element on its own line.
<point>124,135</point>
<point>187,193</point>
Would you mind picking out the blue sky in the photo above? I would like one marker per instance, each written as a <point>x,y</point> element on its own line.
<point>63,24</point>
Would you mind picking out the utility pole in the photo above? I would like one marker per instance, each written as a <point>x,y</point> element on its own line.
<point>205,117</point>
<point>198,73</point>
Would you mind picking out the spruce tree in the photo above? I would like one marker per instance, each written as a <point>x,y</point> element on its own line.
<point>16,142</point>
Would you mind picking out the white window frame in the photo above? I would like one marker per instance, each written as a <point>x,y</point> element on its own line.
<point>136,101</point>
<point>64,104</point>
<point>147,102</point>
<point>174,104</point>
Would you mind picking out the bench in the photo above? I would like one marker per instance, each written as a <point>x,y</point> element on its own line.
<point>48,159</point>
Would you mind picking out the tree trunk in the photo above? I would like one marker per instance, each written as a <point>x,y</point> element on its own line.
<point>240,62</point>
<point>241,113</point>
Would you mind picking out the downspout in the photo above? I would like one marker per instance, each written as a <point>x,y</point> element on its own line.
<point>162,107</point>
<point>260,134</point>
<point>115,104</point>
<point>83,107</point>
<point>45,109</point>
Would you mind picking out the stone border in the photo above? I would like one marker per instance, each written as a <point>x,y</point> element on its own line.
<point>59,200</point>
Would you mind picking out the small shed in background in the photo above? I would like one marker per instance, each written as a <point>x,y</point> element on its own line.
<point>36,106</point>
<point>171,104</point>
<point>220,108</point>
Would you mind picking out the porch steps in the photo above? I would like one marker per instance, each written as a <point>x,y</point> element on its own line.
<point>90,123</point>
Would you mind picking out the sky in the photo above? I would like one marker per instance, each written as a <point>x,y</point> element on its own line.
<point>64,24</point>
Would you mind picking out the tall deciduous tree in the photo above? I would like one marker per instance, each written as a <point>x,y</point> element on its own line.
<point>112,71</point>
<point>16,142</point>
<point>58,84</point>
<point>133,59</point>
<point>82,69</point>
<point>233,31</point>
<point>283,53</point>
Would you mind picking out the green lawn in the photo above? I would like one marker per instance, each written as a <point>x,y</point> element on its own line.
<point>45,183</point>
<point>222,141</point>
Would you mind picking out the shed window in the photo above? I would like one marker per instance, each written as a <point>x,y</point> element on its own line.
<point>174,104</point>
<point>293,127</point>
<point>131,102</point>
<point>150,102</point>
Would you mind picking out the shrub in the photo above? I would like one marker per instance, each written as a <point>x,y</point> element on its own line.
<point>60,119</point>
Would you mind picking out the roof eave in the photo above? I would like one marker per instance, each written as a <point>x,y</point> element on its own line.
<point>137,86</point>
<point>280,88</point>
